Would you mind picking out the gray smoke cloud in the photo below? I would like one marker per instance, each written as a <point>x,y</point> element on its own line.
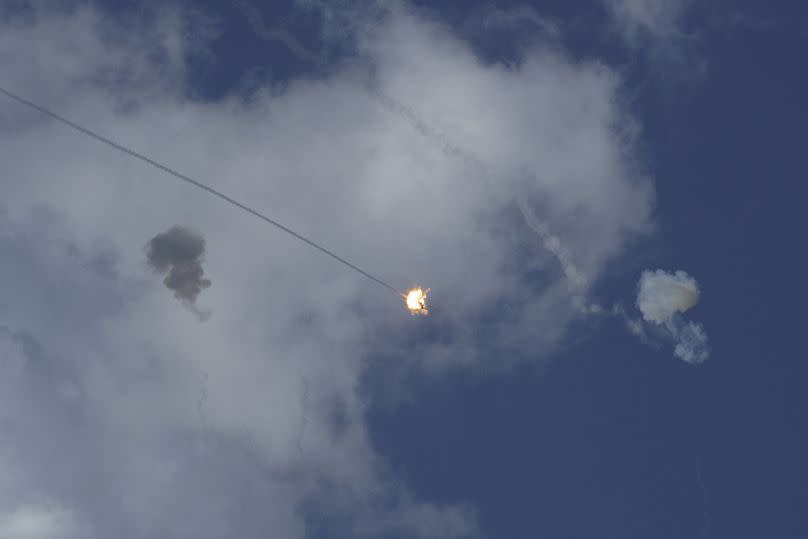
<point>662,298</point>
<point>177,253</point>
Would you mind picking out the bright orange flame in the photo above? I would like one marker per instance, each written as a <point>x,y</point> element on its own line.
<point>416,301</point>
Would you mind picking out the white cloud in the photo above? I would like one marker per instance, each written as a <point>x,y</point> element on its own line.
<point>245,451</point>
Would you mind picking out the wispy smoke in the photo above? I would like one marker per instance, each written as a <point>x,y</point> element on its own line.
<point>662,298</point>
<point>575,279</point>
<point>429,132</point>
<point>279,34</point>
<point>635,326</point>
<point>177,253</point>
<point>319,60</point>
<point>691,343</point>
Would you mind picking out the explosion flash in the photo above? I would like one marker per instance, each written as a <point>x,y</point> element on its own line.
<point>415,299</point>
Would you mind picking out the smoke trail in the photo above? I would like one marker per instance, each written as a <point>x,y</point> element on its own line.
<point>405,112</point>
<point>634,325</point>
<point>575,279</point>
<point>304,416</point>
<point>195,183</point>
<point>318,60</point>
<point>660,301</point>
<point>278,34</point>
<point>178,253</point>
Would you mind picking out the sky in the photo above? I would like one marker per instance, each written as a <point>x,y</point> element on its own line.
<point>604,198</point>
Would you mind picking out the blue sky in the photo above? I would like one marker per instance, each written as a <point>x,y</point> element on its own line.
<point>643,135</point>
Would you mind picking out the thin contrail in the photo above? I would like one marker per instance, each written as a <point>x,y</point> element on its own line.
<point>193,182</point>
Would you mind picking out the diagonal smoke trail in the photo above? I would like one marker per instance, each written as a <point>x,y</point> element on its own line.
<point>278,34</point>
<point>576,280</point>
<point>193,182</point>
<point>318,59</point>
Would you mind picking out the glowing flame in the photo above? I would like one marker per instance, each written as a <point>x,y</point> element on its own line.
<point>415,300</point>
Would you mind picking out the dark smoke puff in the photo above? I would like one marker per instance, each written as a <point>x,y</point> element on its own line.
<point>186,281</point>
<point>179,253</point>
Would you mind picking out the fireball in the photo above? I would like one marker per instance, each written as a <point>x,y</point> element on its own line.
<point>415,299</point>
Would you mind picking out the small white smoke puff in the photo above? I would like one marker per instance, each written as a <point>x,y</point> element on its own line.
<point>662,297</point>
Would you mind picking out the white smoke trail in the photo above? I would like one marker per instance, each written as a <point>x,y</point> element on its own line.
<point>662,297</point>
<point>576,281</point>
<point>634,325</point>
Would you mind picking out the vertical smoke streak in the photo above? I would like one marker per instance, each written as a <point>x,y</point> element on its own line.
<point>304,418</point>
<point>705,527</point>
